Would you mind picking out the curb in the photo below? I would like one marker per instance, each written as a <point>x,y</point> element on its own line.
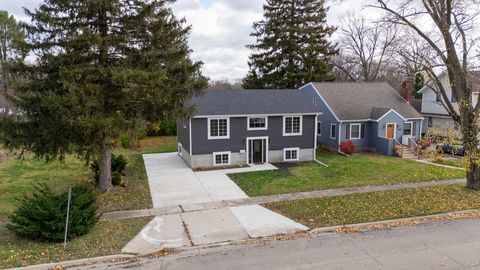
<point>426,219</point>
<point>71,263</point>
<point>439,165</point>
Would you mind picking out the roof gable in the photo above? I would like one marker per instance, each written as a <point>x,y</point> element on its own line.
<point>360,101</point>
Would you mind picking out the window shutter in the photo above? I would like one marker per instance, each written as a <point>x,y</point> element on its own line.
<point>362,131</point>
<point>347,135</point>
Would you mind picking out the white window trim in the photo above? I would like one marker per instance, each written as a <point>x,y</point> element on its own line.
<point>394,130</point>
<point>333,137</point>
<point>411,128</point>
<point>222,153</point>
<point>262,128</point>
<point>321,126</point>
<point>359,132</point>
<point>291,149</point>
<point>293,134</point>
<point>180,149</point>
<point>218,137</point>
<point>247,152</point>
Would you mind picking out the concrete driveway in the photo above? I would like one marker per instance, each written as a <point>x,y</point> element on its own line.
<point>173,183</point>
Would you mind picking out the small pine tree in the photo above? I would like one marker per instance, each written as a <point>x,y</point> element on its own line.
<point>292,46</point>
<point>42,215</point>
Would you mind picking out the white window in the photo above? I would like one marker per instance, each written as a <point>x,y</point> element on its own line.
<point>292,125</point>
<point>333,131</point>
<point>257,123</point>
<point>218,128</point>
<point>355,131</point>
<point>407,128</point>
<point>291,154</point>
<point>319,128</point>
<point>221,158</point>
<point>179,149</point>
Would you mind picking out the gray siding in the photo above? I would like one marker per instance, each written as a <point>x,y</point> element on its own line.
<point>183,133</point>
<point>361,143</point>
<point>239,133</point>
<point>326,118</point>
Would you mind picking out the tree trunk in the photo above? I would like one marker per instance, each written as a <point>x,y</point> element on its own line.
<point>105,181</point>
<point>471,152</point>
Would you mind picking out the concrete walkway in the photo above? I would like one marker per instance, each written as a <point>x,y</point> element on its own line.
<point>273,198</point>
<point>189,209</point>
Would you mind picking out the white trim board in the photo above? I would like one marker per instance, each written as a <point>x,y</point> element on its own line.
<point>209,137</point>
<point>291,149</point>
<point>394,130</point>
<point>247,152</point>
<point>330,131</point>
<point>359,132</point>
<point>292,134</point>
<point>253,114</point>
<point>229,153</point>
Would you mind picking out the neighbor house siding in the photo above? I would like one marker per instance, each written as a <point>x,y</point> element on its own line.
<point>239,133</point>
<point>327,118</point>
<point>391,117</point>
<point>363,142</point>
<point>183,133</point>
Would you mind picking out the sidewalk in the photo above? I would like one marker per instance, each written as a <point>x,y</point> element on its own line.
<point>270,199</point>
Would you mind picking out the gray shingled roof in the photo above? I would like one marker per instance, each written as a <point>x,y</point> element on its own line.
<point>355,101</point>
<point>242,102</point>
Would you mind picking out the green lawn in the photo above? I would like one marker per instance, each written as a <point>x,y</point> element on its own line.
<point>453,162</point>
<point>375,206</point>
<point>356,170</point>
<point>17,177</point>
<point>107,237</point>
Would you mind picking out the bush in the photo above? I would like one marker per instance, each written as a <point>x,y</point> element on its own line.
<point>41,216</point>
<point>125,141</point>
<point>118,166</point>
<point>167,128</point>
<point>347,147</point>
<point>424,142</point>
<point>439,159</point>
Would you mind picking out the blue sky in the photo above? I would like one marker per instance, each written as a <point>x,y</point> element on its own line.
<point>220,29</point>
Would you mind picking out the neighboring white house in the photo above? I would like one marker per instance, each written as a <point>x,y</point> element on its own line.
<point>435,114</point>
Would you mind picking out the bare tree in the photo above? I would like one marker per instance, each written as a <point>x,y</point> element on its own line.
<point>365,49</point>
<point>225,84</point>
<point>448,27</point>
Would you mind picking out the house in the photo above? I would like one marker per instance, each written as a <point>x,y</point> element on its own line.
<point>238,127</point>
<point>435,114</point>
<point>371,115</point>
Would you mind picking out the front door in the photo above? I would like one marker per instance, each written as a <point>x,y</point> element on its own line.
<point>390,131</point>
<point>257,151</point>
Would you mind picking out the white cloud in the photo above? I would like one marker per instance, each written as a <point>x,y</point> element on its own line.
<point>220,29</point>
<point>219,34</point>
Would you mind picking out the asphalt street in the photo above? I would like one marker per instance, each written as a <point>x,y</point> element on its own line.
<point>452,244</point>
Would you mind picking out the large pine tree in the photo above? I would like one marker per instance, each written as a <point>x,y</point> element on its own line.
<point>292,46</point>
<point>104,68</point>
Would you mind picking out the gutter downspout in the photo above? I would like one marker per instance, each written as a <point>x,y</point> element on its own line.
<point>315,143</point>
<point>339,139</point>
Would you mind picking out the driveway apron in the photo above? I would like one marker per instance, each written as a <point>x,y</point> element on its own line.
<point>173,183</point>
